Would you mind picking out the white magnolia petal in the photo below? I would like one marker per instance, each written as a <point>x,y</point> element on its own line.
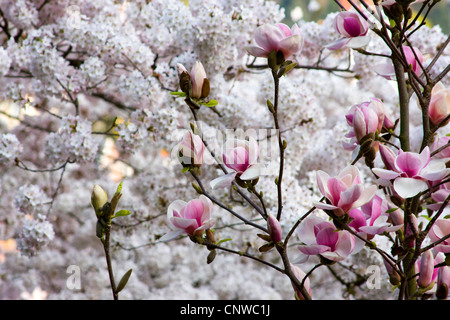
<point>223,181</point>
<point>358,42</point>
<point>171,235</point>
<point>409,187</point>
<point>252,172</point>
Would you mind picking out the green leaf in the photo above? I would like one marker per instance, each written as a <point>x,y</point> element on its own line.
<point>122,213</point>
<point>185,169</point>
<point>223,240</point>
<point>178,94</point>
<point>391,210</point>
<point>123,281</point>
<point>119,187</point>
<point>211,103</point>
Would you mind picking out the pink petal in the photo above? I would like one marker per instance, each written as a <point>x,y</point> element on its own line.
<point>257,51</point>
<point>268,36</point>
<point>313,249</point>
<point>290,45</point>
<point>385,174</point>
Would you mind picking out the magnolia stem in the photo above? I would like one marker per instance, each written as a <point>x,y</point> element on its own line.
<point>276,80</point>
<point>106,242</point>
<point>404,103</point>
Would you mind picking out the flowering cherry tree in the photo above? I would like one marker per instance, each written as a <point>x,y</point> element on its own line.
<point>284,162</point>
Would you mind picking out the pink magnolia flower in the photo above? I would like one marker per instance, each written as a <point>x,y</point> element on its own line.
<point>353,29</point>
<point>190,218</point>
<point>191,149</point>
<point>439,230</point>
<point>276,37</point>
<point>372,219</point>
<point>320,237</point>
<point>300,275</point>
<point>386,70</point>
<point>439,197</point>
<point>343,192</point>
<point>364,118</point>
<point>439,107</point>
<point>241,157</point>
<point>195,83</point>
<point>410,171</point>
<point>439,143</point>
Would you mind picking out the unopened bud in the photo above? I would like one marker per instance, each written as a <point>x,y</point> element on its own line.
<point>98,199</point>
<point>274,228</point>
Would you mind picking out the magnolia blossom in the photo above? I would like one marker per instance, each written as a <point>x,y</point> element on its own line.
<point>191,149</point>
<point>410,171</point>
<point>440,143</point>
<point>439,108</point>
<point>353,28</point>
<point>372,219</point>
<point>343,192</point>
<point>439,230</point>
<point>300,275</point>
<point>195,84</point>
<point>320,237</point>
<point>190,218</point>
<point>439,197</point>
<point>278,37</point>
<point>413,57</point>
<point>364,118</point>
<point>241,157</point>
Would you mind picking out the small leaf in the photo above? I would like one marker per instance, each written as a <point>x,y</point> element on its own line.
<point>223,240</point>
<point>123,281</point>
<point>119,187</point>
<point>270,106</point>
<point>178,94</point>
<point>185,169</point>
<point>391,210</point>
<point>122,213</point>
<point>211,103</point>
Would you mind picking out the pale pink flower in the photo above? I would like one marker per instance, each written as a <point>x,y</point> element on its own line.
<point>190,218</point>
<point>386,70</point>
<point>300,275</point>
<point>276,37</point>
<point>364,118</point>
<point>353,28</point>
<point>191,149</point>
<point>371,219</point>
<point>410,171</point>
<point>439,230</point>
<point>241,157</point>
<point>439,143</point>
<point>439,197</point>
<point>439,107</point>
<point>320,237</point>
<point>343,192</point>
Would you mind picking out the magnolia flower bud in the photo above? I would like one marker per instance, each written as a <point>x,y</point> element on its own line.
<point>98,199</point>
<point>439,107</point>
<point>195,84</point>
<point>443,282</point>
<point>274,228</point>
<point>426,269</point>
